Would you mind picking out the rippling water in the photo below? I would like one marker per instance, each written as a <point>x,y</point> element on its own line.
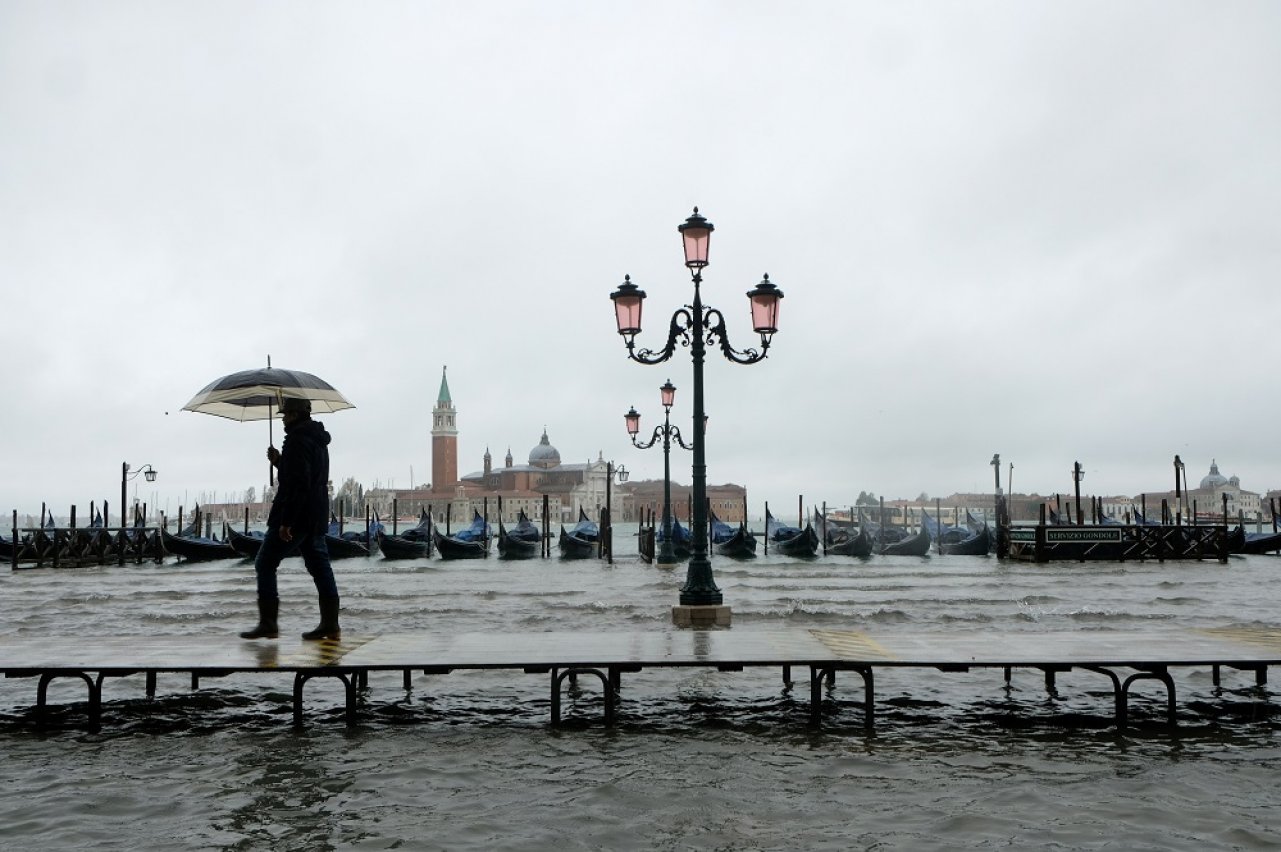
<point>699,759</point>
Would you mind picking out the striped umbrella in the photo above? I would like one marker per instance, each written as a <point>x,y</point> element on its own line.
<point>258,394</point>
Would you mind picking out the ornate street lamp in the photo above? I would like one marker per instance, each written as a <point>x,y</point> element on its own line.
<point>668,432</point>
<point>695,326</point>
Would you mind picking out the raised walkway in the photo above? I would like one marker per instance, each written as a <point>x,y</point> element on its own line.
<point>1123,657</point>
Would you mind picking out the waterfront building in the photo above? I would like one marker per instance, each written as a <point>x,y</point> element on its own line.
<point>644,498</point>
<point>1207,499</point>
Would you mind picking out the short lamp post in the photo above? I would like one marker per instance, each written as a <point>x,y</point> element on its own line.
<point>1180,489</point>
<point>1077,475</point>
<point>126,473</point>
<point>695,326</point>
<point>669,433</point>
<point>149,473</point>
<point>610,472</point>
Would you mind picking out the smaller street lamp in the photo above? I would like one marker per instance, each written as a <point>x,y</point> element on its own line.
<point>668,432</point>
<point>149,473</point>
<point>610,472</point>
<point>1077,475</point>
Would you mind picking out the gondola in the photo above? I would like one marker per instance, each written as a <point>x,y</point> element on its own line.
<point>1240,541</point>
<point>682,539</point>
<point>413,543</point>
<point>727,541</point>
<point>196,549</point>
<point>347,545</point>
<point>913,545</point>
<point>581,541</point>
<point>843,538</point>
<point>974,544</point>
<point>973,539</point>
<point>523,541</point>
<point>857,543</point>
<point>791,541</point>
<point>246,545</point>
<point>469,543</point>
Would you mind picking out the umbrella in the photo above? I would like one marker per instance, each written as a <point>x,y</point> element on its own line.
<point>257,395</point>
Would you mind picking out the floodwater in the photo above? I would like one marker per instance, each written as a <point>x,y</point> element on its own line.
<point>698,760</point>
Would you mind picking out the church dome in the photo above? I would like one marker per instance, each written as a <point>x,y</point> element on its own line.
<point>544,455</point>
<point>1214,479</point>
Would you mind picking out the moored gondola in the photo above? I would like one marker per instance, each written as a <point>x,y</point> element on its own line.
<point>791,541</point>
<point>523,541</point>
<point>193,549</point>
<point>581,541</point>
<point>413,543</point>
<point>350,544</point>
<point>469,543</point>
<point>975,544</point>
<point>1240,541</point>
<point>682,539</point>
<point>912,545</point>
<point>246,545</point>
<point>858,543</point>
<point>728,541</point>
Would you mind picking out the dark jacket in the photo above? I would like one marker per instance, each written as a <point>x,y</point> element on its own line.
<point>302,495</point>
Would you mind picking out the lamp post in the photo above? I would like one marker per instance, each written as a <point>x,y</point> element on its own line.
<point>149,473</point>
<point>1077,476</point>
<point>1180,488</point>
<point>695,326</point>
<point>668,432</point>
<point>610,473</point>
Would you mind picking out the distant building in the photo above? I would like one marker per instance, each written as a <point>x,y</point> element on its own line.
<point>645,498</point>
<point>544,482</point>
<point>1207,500</point>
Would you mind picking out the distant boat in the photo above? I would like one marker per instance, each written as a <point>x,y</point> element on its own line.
<point>580,541</point>
<point>469,543</point>
<point>413,543</point>
<point>523,541</point>
<point>735,543</point>
<point>790,541</point>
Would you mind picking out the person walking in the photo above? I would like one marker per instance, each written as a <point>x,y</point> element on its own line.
<point>297,523</point>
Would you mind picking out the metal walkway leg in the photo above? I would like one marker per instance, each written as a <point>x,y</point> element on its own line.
<point>349,682</point>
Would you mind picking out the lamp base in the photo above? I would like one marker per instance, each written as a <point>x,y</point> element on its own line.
<point>714,615</point>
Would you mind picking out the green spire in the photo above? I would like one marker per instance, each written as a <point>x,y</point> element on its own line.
<point>444,387</point>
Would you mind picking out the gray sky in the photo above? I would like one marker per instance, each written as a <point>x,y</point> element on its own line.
<point>1047,230</point>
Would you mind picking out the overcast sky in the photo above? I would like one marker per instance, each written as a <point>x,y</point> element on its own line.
<point>1045,230</point>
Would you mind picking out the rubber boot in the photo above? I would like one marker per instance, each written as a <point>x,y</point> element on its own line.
<point>328,627</point>
<point>268,627</point>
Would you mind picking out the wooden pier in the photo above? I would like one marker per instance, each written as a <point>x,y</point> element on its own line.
<point>73,547</point>
<point>1125,658</point>
<point>1116,542</point>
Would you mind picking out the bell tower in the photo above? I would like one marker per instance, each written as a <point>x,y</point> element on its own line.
<point>444,440</point>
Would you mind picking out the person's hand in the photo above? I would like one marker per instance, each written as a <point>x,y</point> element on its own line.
<point>286,534</point>
<point>273,455</point>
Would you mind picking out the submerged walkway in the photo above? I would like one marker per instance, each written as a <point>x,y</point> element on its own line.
<point>1123,657</point>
